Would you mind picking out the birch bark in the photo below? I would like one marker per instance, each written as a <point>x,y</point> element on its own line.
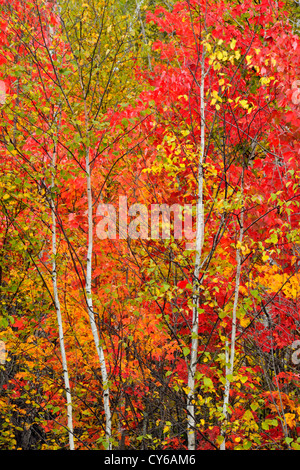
<point>55,284</point>
<point>192,368</point>
<point>57,305</point>
<point>89,296</point>
<point>88,285</point>
<point>229,367</point>
<point>89,267</point>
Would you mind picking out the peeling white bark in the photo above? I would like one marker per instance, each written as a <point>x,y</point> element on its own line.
<point>55,285</point>
<point>230,368</point>
<point>58,310</point>
<point>192,368</point>
<point>89,296</point>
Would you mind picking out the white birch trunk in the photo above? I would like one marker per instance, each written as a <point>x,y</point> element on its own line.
<point>58,311</point>
<point>229,368</point>
<point>89,268</point>
<point>89,296</point>
<point>55,291</point>
<point>191,417</point>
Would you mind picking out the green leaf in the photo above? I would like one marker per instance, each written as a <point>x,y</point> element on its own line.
<point>288,440</point>
<point>4,322</point>
<point>229,377</point>
<point>247,445</point>
<point>208,382</point>
<point>254,406</point>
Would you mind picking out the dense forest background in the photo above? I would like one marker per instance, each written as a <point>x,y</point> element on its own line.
<point>118,332</point>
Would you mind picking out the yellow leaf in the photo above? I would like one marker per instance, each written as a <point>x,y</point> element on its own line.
<point>233,44</point>
<point>243,290</point>
<point>244,322</point>
<point>290,419</point>
<point>265,257</point>
<point>244,104</point>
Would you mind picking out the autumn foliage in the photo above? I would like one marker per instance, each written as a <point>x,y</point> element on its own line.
<point>113,95</point>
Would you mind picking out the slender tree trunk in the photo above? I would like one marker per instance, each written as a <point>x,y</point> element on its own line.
<point>88,287</point>
<point>89,267</point>
<point>89,296</point>
<point>196,286</point>
<point>230,367</point>
<point>58,309</point>
<point>55,289</point>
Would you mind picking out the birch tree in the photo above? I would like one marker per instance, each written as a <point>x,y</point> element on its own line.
<point>57,305</point>
<point>54,264</point>
<point>230,349</point>
<point>103,52</point>
<point>190,347</point>
<point>192,368</point>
